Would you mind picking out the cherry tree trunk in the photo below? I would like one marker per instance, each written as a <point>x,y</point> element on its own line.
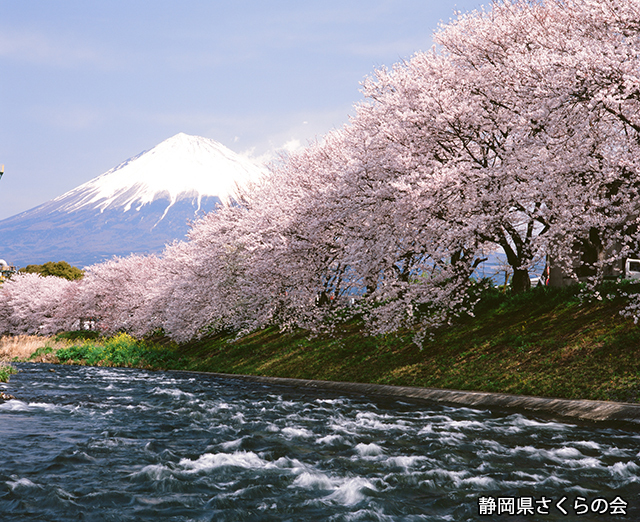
<point>520,281</point>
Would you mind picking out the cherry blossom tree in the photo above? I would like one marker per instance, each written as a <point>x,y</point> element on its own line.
<point>488,142</point>
<point>454,125</point>
<point>113,294</point>
<point>30,304</point>
<point>569,72</point>
<point>263,261</point>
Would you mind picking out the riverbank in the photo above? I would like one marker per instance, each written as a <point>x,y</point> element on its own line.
<point>545,343</point>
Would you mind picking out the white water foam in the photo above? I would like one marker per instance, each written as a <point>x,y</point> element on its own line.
<point>368,515</point>
<point>209,461</point>
<point>21,483</point>
<point>351,492</point>
<point>444,475</point>
<point>232,444</point>
<point>405,461</point>
<point>369,450</point>
<point>625,470</point>
<point>315,481</point>
<point>18,405</point>
<point>367,421</point>
<point>173,392</point>
<point>587,444</point>
<point>330,440</point>
<point>154,472</point>
<point>291,433</point>
<point>520,420</point>
<point>239,459</point>
<point>479,483</point>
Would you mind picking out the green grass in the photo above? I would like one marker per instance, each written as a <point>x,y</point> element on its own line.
<point>40,352</point>
<point>78,335</point>
<point>121,350</point>
<point>5,371</point>
<point>546,342</point>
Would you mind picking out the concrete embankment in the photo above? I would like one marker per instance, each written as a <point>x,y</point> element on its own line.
<point>575,409</point>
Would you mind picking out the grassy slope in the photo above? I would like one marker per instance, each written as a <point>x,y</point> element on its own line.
<point>544,343</point>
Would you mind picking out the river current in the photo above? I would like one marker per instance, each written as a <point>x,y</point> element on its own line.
<point>108,444</point>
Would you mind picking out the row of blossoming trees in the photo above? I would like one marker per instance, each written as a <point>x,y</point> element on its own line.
<point>519,131</point>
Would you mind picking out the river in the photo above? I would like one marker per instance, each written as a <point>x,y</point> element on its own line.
<point>110,444</point>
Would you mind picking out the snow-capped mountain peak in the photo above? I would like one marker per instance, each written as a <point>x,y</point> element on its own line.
<point>181,166</point>
<point>138,206</point>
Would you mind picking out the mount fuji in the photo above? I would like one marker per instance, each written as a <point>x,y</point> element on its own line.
<point>138,206</point>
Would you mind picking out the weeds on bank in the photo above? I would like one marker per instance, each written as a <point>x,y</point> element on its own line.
<point>121,350</point>
<point>5,371</point>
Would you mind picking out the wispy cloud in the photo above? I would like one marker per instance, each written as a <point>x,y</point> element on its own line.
<point>69,117</point>
<point>42,49</point>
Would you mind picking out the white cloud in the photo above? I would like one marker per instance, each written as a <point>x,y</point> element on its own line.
<point>273,154</point>
<point>292,145</point>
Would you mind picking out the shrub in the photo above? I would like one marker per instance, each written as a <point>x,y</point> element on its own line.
<point>5,371</point>
<point>78,335</point>
<point>59,269</point>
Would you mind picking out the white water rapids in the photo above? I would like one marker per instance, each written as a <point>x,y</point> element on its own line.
<point>108,444</point>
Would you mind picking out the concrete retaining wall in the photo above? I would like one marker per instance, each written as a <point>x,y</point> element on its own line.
<point>576,409</point>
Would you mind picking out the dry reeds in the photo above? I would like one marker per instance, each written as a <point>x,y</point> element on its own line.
<point>23,346</point>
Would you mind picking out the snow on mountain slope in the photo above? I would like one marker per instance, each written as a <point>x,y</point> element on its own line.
<point>181,166</point>
<point>137,207</point>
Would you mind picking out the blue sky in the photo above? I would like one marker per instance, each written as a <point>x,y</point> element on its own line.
<point>86,85</point>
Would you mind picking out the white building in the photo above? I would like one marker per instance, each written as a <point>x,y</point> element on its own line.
<point>6,270</point>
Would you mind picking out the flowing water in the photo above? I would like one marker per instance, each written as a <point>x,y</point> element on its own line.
<point>111,444</point>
